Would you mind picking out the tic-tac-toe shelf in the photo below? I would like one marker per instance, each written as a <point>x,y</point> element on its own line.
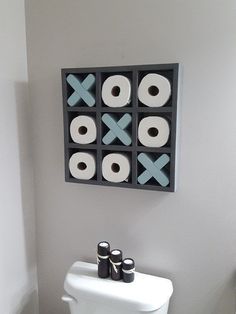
<point>121,117</point>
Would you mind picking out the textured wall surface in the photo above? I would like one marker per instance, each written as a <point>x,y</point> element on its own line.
<point>188,236</point>
<point>18,282</point>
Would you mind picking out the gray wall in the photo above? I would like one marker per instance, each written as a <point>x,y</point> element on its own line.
<point>188,236</point>
<point>18,280</point>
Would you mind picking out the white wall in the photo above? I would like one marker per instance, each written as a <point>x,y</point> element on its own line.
<point>18,284</point>
<point>188,236</point>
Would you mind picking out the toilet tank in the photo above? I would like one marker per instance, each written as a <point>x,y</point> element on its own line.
<point>88,294</point>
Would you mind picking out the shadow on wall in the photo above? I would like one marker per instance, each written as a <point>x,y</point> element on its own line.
<point>29,303</point>
<point>227,293</point>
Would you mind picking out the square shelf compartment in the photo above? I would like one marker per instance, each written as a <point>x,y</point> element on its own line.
<point>117,129</point>
<point>81,163</point>
<point>80,130</point>
<point>115,166</point>
<point>153,132</point>
<point>154,169</point>
<point>114,92</point>
<point>153,90</point>
<point>80,89</point>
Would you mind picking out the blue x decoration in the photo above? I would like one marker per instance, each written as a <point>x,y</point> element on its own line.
<point>153,169</point>
<point>81,90</point>
<point>117,129</point>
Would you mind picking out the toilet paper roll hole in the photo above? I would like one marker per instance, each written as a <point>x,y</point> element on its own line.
<point>115,167</point>
<point>115,91</point>
<point>153,90</point>
<point>153,132</point>
<point>82,130</point>
<point>82,166</point>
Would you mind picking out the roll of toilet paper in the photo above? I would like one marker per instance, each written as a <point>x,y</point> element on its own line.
<point>83,129</point>
<point>115,167</point>
<point>154,90</point>
<point>82,166</point>
<point>153,131</point>
<point>116,91</point>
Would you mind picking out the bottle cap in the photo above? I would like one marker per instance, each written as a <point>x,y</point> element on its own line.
<point>116,256</point>
<point>103,248</point>
<point>128,264</point>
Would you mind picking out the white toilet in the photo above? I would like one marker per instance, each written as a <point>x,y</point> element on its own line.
<point>88,294</point>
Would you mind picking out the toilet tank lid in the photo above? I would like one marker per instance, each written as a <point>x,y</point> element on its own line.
<point>146,293</point>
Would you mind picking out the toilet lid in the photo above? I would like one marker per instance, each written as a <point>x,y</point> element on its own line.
<point>146,293</point>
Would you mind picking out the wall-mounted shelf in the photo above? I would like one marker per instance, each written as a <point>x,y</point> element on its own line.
<point>136,110</point>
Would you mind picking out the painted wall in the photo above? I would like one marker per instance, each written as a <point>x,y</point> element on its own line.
<point>188,236</point>
<point>18,282</point>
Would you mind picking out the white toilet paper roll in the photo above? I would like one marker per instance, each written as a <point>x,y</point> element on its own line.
<point>154,90</point>
<point>83,129</point>
<point>153,131</point>
<point>116,91</point>
<point>115,167</point>
<point>82,166</point>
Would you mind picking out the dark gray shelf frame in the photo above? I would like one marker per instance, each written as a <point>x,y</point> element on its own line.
<point>135,109</point>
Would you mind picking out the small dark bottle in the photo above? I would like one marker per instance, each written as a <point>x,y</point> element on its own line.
<point>103,254</point>
<point>128,269</point>
<point>116,264</point>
